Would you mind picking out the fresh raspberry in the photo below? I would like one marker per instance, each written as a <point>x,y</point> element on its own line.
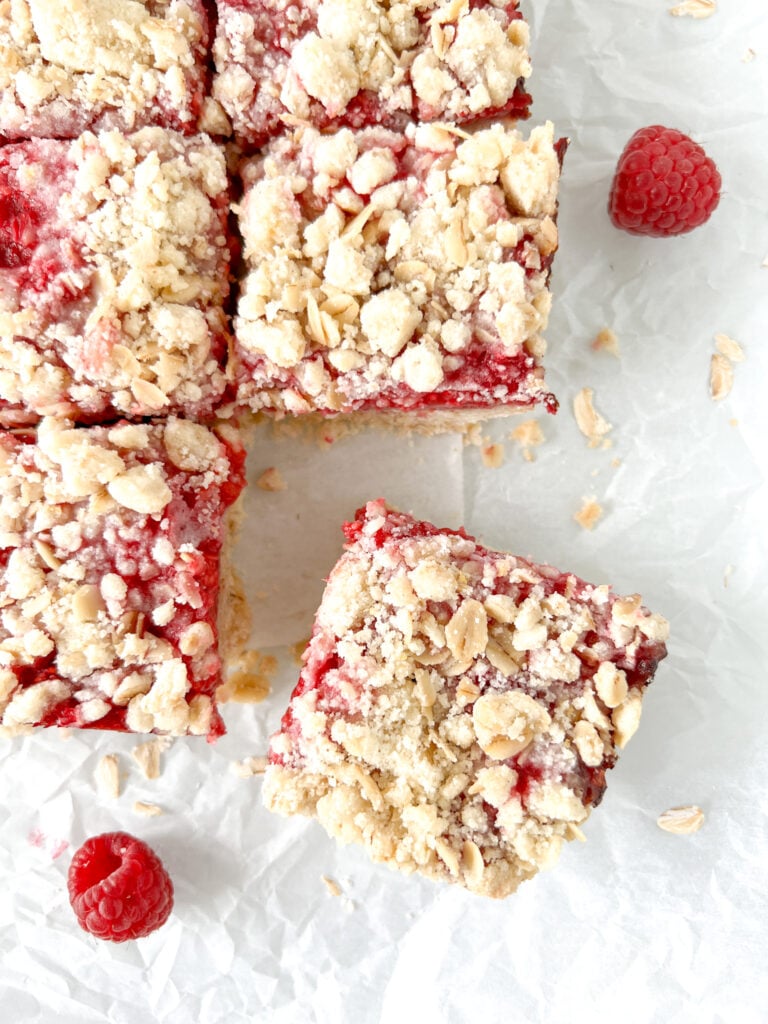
<point>665,184</point>
<point>118,887</point>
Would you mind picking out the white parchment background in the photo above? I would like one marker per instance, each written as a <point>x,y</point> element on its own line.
<point>636,926</point>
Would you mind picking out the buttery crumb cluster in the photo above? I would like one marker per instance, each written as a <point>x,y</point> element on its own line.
<point>459,707</point>
<point>70,65</point>
<point>397,270</point>
<point>110,543</point>
<point>112,287</point>
<point>356,62</point>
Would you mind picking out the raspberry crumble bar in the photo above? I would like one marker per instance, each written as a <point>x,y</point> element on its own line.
<point>459,707</point>
<point>111,544</point>
<point>357,63</point>
<point>114,263</point>
<point>397,271</point>
<point>71,65</point>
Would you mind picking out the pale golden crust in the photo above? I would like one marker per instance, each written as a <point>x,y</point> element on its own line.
<point>455,714</point>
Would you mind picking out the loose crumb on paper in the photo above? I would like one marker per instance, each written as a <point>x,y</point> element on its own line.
<point>681,821</point>
<point>765,262</point>
<point>147,756</point>
<point>727,573</point>
<point>108,776</point>
<point>749,56</point>
<point>297,650</point>
<point>493,456</point>
<point>528,436</point>
<point>249,766</point>
<point>271,480</point>
<point>590,513</point>
<point>606,341</point>
<point>592,425</point>
<point>720,377</point>
<point>729,347</point>
<point>331,885</point>
<point>694,9</point>
<point>249,679</point>
<point>147,810</point>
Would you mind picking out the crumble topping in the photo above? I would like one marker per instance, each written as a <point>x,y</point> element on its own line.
<point>109,589</point>
<point>114,303</point>
<point>271,480</point>
<point>430,281</point>
<point>108,776</point>
<point>69,66</point>
<point>729,347</point>
<point>458,707</point>
<point>360,62</point>
<point>606,341</point>
<point>694,9</point>
<point>590,513</point>
<point>720,377</point>
<point>147,810</point>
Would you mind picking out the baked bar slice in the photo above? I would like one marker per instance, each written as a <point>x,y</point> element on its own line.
<point>357,63</point>
<point>114,263</point>
<point>71,65</point>
<point>459,707</point>
<point>397,271</point>
<point>111,552</point>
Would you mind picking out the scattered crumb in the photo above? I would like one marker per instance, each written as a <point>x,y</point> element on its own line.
<point>147,756</point>
<point>592,425</point>
<point>616,463</point>
<point>473,435</point>
<point>589,514</point>
<point>297,650</point>
<point>271,480</point>
<point>606,341</point>
<point>249,767</point>
<point>765,262</point>
<point>727,573</point>
<point>594,472</point>
<point>720,377</point>
<point>729,347</point>
<point>574,832</point>
<point>749,56</point>
<point>528,436</point>
<point>493,456</point>
<point>147,810</point>
<point>694,9</point>
<point>332,886</point>
<point>248,680</point>
<point>108,776</point>
<point>733,422</point>
<point>682,821</point>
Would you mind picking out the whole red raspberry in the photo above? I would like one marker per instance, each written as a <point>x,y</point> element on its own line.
<point>665,184</point>
<point>118,887</point>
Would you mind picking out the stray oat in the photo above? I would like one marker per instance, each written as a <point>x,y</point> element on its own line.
<point>331,885</point>
<point>147,810</point>
<point>681,821</point>
<point>147,756</point>
<point>493,456</point>
<point>249,767</point>
<point>271,480</point>
<point>528,436</point>
<point>606,341</point>
<point>590,513</point>
<point>592,425</point>
<point>720,377</point>
<point>729,347</point>
<point>108,776</point>
<point>749,56</point>
<point>694,9</point>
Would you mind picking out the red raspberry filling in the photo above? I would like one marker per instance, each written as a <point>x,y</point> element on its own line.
<point>118,888</point>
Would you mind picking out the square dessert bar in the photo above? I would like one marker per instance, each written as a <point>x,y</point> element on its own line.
<point>111,575</point>
<point>459,707</point>
<point>67,66</point>
<point>114,264</point>
<point>397,271</point>
<point>358,63</point>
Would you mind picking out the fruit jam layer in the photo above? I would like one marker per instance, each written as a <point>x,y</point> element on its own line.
<point>335,64</point>
<point>114,263</point>
<point>110,563</point>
